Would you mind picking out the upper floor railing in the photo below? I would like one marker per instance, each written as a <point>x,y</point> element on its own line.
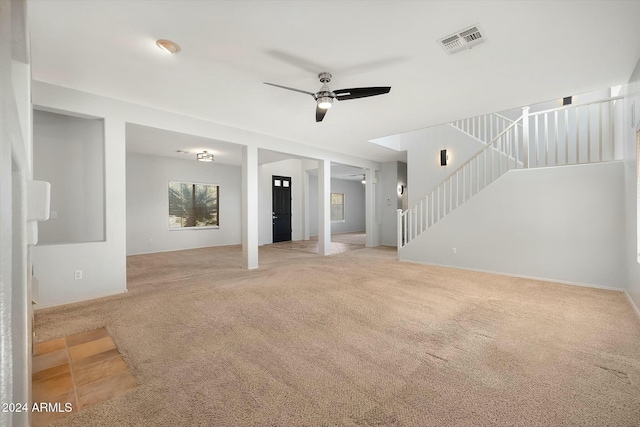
<point>573,134</point>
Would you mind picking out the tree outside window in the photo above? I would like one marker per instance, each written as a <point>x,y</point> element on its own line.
<point>193,205</point>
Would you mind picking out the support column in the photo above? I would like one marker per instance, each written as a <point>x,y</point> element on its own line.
<point>525,137</point>
<point>324,207</point>
<point>249,207</point>
<point>369,203</point>
<point>305,203</point>
<point>399,240</point>
<point>15,149</point>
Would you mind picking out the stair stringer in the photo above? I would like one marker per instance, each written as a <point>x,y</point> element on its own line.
<point>557,223</point>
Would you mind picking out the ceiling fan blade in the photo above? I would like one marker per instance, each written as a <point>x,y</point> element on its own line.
<point>297,61</point>
<point>290,88</point>
<point>320,112</point>
<point>360,92</point>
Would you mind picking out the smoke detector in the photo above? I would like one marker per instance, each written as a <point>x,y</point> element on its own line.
<point>463,39</point>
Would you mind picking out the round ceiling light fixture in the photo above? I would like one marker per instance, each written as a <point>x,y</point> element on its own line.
<point>168,46</point>
<point>204,156</point>
<point>325,102</point>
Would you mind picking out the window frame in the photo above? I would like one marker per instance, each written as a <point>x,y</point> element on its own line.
<point>193,227</point>
<point>331,205</point>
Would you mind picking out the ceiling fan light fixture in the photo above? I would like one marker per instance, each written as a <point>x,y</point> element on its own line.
<point>168,46</point>
<point>325,96</point>
<point>204,156</point>
<point>325,102</point>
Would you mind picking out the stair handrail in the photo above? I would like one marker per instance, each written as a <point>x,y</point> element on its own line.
<point>472,158</point>
<point>405,236</point>
<point>583,104</point>
<point>478,125</point>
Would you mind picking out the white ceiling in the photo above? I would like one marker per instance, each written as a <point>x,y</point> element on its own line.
<point>160,142</point>
<point>534,51</point>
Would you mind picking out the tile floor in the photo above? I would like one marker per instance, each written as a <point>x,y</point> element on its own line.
<point>340,243</point>
<point>82,369</point>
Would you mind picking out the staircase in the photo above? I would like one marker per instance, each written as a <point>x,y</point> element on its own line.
<point>569,135</point>
<point>483,128</point>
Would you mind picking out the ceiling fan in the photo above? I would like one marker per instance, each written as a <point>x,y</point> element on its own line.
<point>325,96</point>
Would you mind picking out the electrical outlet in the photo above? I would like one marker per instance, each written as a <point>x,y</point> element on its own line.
<point>454,251</point>
<point>77,275</point>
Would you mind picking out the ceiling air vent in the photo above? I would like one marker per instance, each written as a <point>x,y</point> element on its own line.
<point>461,40</point>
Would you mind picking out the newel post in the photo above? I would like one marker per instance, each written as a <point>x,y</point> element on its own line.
<point>525,137</point>
<point>399,227</point>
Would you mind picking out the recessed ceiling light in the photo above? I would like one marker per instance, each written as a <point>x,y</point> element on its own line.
<point>168,46</point>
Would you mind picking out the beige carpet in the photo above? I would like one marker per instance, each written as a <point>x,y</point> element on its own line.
<point>357,339</point>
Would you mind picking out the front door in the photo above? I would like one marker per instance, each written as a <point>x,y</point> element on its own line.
<point>281,208</point>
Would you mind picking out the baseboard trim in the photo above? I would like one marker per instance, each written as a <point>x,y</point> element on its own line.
<point>520,276</point>
<point>185,249</point>
<point>38,307</point>
<point>633,304</point>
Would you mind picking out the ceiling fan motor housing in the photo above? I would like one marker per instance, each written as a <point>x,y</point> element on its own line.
<point>325,77</point>
<point>324,96</point>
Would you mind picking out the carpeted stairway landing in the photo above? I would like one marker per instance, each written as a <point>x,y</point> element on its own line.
<point>357,339</point>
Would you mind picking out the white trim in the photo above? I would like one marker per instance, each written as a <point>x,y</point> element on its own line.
<point>633,304</point>
<point>195,227</point>
<point>520,276</point>
<point>38,307</point>
<point>239,244</point>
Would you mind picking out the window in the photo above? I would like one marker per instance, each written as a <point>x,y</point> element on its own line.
<point>337,206</point>
<point>193,205</point>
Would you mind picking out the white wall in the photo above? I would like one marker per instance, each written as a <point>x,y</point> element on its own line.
<point>632,192</point>
<point>390,198</point>
<point>561,224</point>
<point>147,204</point>
<point>104,263</point>
<point>392,175</point>
<point>354,206</point>
<point>423,157</point>
<point>293,169</point>
<point>68,152</point>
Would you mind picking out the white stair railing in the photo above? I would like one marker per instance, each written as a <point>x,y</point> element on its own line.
<point>484,128</point>
<point>567,135</point>
<point>573,134</point>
